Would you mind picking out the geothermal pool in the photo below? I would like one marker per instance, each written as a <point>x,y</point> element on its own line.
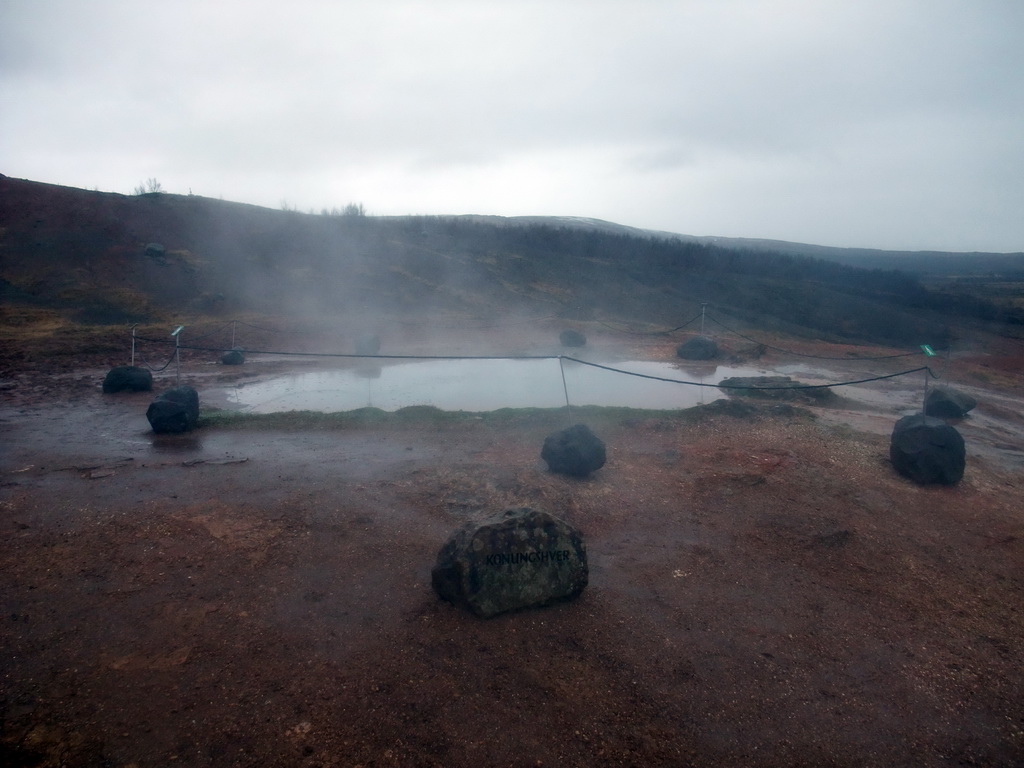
<point>485,385</point>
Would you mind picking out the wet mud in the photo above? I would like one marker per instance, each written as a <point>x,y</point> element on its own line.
<point>764,591</point>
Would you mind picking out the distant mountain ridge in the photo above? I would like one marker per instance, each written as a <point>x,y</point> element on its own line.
<point>915,262</point>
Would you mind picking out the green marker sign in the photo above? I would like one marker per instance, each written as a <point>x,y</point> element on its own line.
<point>928,350</point>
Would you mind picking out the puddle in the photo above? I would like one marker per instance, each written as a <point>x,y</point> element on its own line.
<point>481,385</point>
<point>487,385</point>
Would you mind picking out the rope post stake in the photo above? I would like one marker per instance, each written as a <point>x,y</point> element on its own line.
<point>929,352</point>
<point>565,388</point>
<point>233,324</point>
<point>703,307</point>
<point>133,343</point>
<point>177,354</point>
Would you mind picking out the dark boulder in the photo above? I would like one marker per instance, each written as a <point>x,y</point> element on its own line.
<point>128,378</point>
<point>173,411</point>
<point>519,558</point>
<point>775,388</point>
<point>574,451</point>
<point>698,348</point>
<point>927,450</point>
<point>368,344</point>
<point>571,338</point>
<point>234,356</point>
<point>946,403</point>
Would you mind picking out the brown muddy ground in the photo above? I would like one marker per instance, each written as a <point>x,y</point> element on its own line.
<point>764,590</point>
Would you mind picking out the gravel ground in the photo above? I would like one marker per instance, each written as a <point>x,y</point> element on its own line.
<point>764,591</point>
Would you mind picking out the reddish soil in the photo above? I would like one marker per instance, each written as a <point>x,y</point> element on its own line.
<point>764,590</point>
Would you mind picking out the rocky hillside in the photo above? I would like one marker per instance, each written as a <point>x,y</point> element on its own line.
<point>107,258</point>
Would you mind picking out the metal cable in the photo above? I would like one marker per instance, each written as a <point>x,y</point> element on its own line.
<point>744,386</point>
<point>564,357</point>
<point>165,365</point>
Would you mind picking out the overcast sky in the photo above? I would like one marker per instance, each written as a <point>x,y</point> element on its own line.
<point>869,123</point>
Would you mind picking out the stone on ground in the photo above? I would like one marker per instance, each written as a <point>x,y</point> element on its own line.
<point>573,451</point>
<point>947,403</point>
<point>927,450</point>
<point>698,348</point>
<point>174,411</point>
<point>519,558</point>
<point>128,378</point>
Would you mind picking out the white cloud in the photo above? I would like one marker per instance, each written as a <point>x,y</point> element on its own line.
<point>885,123</point>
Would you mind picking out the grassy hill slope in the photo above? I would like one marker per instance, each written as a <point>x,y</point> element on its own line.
<point>110,258</point>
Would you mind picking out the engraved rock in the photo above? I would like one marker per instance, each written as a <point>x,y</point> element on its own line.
<point>519,558</point>
<point>234,356</point>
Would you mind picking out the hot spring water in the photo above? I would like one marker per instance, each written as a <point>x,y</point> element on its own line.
<point>481,385</point>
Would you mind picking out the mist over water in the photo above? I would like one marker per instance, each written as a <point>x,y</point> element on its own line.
<point>482,385</point>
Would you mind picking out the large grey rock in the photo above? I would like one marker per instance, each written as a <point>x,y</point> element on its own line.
<point>173,411</point>
<point>946,403</point>
<point>234,356</point>
<point>128,378</point>
<point>519,558</point>
<point>927,450</point>
<point>698,348</point>
<point>571,338</point>
<point>573,451</point>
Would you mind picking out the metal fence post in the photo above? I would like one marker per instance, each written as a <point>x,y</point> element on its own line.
<point>177,354</point>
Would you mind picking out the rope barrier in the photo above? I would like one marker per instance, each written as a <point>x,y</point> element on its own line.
<point>602,323</point>
<point>165,365</point>
<point>570,358</point>
<point>744,386</point>
<point>562,358</point>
